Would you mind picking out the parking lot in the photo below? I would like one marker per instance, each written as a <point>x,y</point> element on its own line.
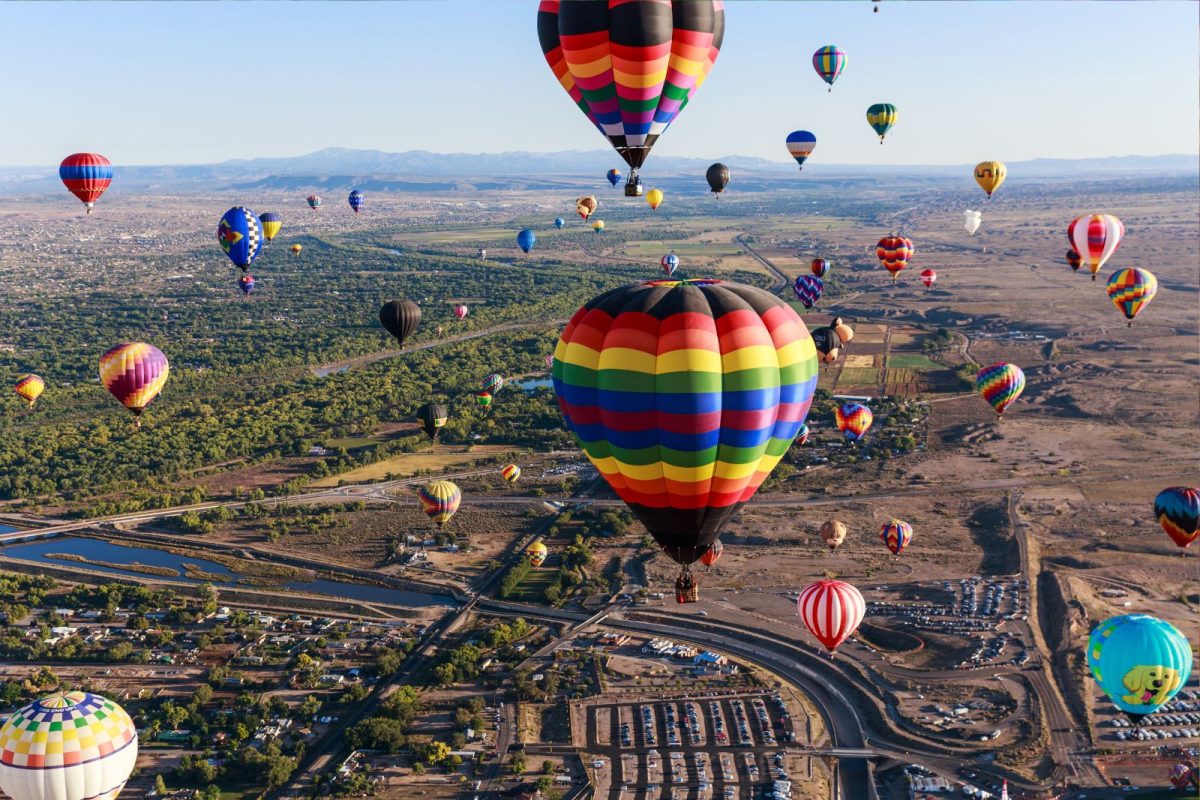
<point>702,748</point>
<point>1178,720</point>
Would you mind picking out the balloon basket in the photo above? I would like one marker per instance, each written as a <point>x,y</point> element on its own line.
<point>687,590</point>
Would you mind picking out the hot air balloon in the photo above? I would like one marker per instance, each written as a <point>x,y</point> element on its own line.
<point>86,175</point>
<point>844,332</point>
<point>510,473</point>
<point>355,200</point>
<point>550,361</point>
<point>460,311</point>
<point>819,267</point>
<point>558,223</point>
<point>536,553</point>
<point>989,175</point>
<point>800,145</point>
<point>270,224</point>
<point>1183,776</point>
<point>440,501</point>
<point>713,554</point>
<point>971,220</point>
<point>67,746</point>
<point>526,240</point>
<point>808,289</point>
<point>928,277</point>
<point>894,252</point>
<point>1131,290</point>
<point>30,388</point>
<point>827,343</point>
<point>670,263</point>
<point>829,61</point>
<point>735,366</point>
<point>1095,237</point>
<point>400,318</point>
<point>481,253</point>
<point>1178,512</point>
<point>296,249</point>
<point>240,236</point>
<point>896,534</point>
<point>492,383</point>
<point>802,436</point>
<point>853,420</point>
<point>246,283</point>
<point>881,117</point>
<point>1140,662</point>
<point>614,176</point>
<point>597,225</point>
<point>484,399</point>
<point>631,67</point>
<point>1074,260</point>
<point>833,533</point>
<point>718,178</point>
<point>586,206</point>
<point>433,418</point>
<point>314,201</point>
<point>134,373</point>
<point>831,610</point>
<point>1000,384</point>
<point>654,199</point>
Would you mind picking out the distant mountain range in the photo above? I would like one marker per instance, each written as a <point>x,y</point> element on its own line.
<point>420,170</point>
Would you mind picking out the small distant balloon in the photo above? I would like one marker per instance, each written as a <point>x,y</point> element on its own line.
<point>829,61</point>
<point>134,373</point>
<point>800,145</point>
<point>989,175</point>
<point>971,220</point>
<point>1074,260</point>
<point>718,178</point>
<point>29,388</point>
<point>614,176</point>
<point>1000,384</point>
<point>355,200</point>
<point>460,311</point>
<point>1177,510</point>
<point>586,206</point>
<point>440,501</point>
<point>314,201</point>
<point>510,473</point>
<point>400,318</point>
<point>831,610</point>
<point>87,176</point>
<point>819,267</point>
<point>896,535</point>
<point>1095,237</point>
<point>271,223</point>
<point>526,240</point>
<point>246,283</point>
<point>928,277</point>
<point>654,199</point>
<point>808,289</point>
<point>558,223</point>
<point>296,249</point>
<point>670,263</point>
<point>882,118</point>
<point>597,225</point>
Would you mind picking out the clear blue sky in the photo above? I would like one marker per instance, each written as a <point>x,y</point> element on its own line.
<point>155,83</point>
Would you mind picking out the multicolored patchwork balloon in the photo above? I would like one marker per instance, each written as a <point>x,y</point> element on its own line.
<point>896,535</point>
<point>1140,662</point>
<point>829,61</point>
<point>1095,237</point>
<point>271,223</point>
<point>492,383</point>
<point>807,289</point>
<point>614,176</point>
<point>882,117</point>
<point>134,373</point>
<point>1000,384</point>
<point>1131,290</point>
<point>536,553</point>
<point>894,252</point>
<point>315,201</point>
<point>800,145</point>
<point>1177,510</point>
<point>87,176</point>
<point>685,395</point>
<point>670,263</point>
<point>440,501</point>
<point>1183,776</point>
<point>802,436</point>
<point>853,420</point>
<point>631,65</point>
<point>831,610</point>
<point>29,388</point>
<point>67,746</point>
<point>240,235</point>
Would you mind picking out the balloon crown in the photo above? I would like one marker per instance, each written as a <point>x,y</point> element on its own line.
<point>685,282</point>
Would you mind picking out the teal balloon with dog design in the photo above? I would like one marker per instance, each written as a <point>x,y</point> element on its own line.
<point>1140,662</point>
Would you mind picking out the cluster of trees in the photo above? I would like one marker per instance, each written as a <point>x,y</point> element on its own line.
<point>19,593</point>
<point>387,731</point>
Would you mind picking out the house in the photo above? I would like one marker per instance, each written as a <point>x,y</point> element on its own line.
<point>709,658</point>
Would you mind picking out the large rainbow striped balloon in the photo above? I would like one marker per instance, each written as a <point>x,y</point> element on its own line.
<point>134,373</point>
<point>67,747</point>
<point>1131,290</point>
<point>631,65</point>
<point>896,534</point>
<point>685,395</point>
<point>440,501</point>
<point>86,175</point>
<point>1000,384</point>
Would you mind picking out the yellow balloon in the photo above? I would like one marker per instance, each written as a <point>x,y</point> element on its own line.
<point>654,198</point>
<point>989,175</point>
<point>296,248</point>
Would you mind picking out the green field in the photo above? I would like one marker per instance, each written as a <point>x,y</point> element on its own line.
<point>534,586</point>
<point>645,249</point>
<point>912,362</point>
<point>859,377</point>
<point>351,442</point>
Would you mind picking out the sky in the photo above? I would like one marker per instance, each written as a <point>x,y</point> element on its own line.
<point>200,82</point>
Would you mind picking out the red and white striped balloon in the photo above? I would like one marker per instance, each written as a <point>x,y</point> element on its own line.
<point>460,311</point>
<point>1095,237</point>
<point>831,610</point>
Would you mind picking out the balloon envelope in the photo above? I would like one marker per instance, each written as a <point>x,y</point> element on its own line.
<point>536,553</point>
<point>1131,290</point>
<point>989,175</point>
<point>808,289</point>
<point>1095,237</point>
<point>355,200</point>
<point>853,420</point>
<point>645,377</point>
<point>1000,384</point>
<point>134,373</point>
<point>631,67</point>
<point>314,201</point>
<point>67,746</point>
<point>831,610</point>
<point>240,235</point>
<point>670,263</point>
<point>558,223</point>
<point>526,240</point>
<point>971,221</point>
<point>586,206</point>
<point>1177,510</point>
<point>246,283</point>
<point>882,117</point>
<point>460,311</point>
<point>896,535</point>
<point>928,277</point>
<point>819,267</point>
<point>800,145</point>
<point>433,417</point>
<point>86,175</point>
<point>894,252</point>
<point>614,176</point>
<point>833,533</point>
<point>400,318</point>
<point>1140,662</point>
<point>510,473</point>
<point>654,198</point>
<point>29,388</point>
<point>718,177</point>
<point>829,61</point>
<point>271,223</point>
<point>440,501</point>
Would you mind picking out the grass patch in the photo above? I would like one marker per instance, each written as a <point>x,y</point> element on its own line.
<point>533,588</point>
<point>407,464</point>
<point>351,442</point>
<point>859,377</point>
<point>197,573</point>
<point>912,362</point>
<point>133,566</point>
